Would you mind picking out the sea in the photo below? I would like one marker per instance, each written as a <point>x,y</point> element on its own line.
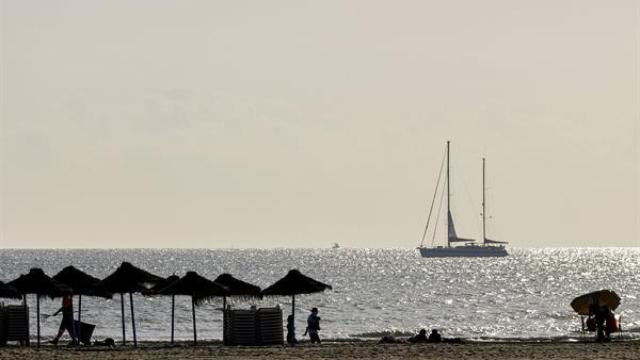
<point>523,296</point>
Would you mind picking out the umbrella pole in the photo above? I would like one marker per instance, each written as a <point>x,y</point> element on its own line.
<point>224,303</point>
<point>193,314</point>
<point>38,318</point>
<point>173,312</point>
<point>124,333</point>
<point>133,320</point>
<point>293,311</point>
<point>79,318</point>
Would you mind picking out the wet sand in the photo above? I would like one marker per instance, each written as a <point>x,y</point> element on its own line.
<point>355,350</point>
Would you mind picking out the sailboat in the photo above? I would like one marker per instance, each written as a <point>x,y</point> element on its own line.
<point>469,247</point>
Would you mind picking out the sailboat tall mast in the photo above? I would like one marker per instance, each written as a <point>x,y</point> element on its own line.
<point>484,216</point>
<point>448,201</point>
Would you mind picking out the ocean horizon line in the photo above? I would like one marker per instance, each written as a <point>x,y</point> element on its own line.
<point>301,248</point>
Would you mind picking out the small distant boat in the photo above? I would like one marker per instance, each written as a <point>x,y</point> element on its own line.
<point>335,246</point>
<point>488,248</point>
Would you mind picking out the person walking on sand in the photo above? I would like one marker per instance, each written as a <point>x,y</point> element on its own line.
<point>313,326</point>
<point>67,320</point>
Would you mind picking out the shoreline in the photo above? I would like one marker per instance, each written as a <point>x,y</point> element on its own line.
<point>626,349</point>
<point>628,336</point>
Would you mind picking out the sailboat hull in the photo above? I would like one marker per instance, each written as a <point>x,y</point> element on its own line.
<point>464,251</point>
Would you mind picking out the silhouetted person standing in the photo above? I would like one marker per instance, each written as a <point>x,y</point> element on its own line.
<point>313,326</point>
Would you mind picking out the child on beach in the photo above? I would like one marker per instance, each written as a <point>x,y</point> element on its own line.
<point>291,331</point>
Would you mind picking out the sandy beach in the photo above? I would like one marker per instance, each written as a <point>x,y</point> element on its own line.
<point>355,350</point>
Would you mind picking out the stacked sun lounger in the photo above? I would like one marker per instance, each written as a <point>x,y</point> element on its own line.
<point>253,327</point>
<point>3,340</point>
<point>14,324</point>
<point>240,327</point>
<point>269,326</point>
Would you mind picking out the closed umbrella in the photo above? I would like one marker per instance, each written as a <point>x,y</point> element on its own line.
<point>582,304</point>
<point>38,283</point>
<point>80,283</point>
<point>295,283</point>
<point>199,288</point>
<point>155,290</point>
<point>128,279</point>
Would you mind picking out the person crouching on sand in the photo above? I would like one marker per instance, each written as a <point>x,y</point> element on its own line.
<point>67,320</point>
<point>313,326</point>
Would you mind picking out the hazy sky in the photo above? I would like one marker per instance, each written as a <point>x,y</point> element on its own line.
<point>303,123</point>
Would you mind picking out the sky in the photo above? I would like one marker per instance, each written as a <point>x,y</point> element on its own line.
<point>242,124</point>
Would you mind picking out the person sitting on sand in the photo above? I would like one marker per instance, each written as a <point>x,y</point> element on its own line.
<point>313,326</point>
<point>434,337</point>
<point>420,338</point>
<point>291,331</point>
<point>67,320</point>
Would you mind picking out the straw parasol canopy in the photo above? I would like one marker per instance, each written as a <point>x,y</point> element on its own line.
<point>237,288</point>
<point>582,304</point>
<point>9,292</point>
<point>128,279</point>
<point>295,283</point>
<point>38,283</point>
<point>80,282</point>
<point>199,288</point>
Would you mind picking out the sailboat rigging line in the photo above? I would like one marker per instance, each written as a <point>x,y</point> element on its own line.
<point>435,192</point>
<point>435,227</point>
<point>469,199</point>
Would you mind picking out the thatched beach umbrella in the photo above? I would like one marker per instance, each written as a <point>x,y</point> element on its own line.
<point>128,279</point>
<point>38,283</point>
<point>199,288</point>
<point>9,292</point>
<point>80,283</point>
<point>238,288</point>
<point>155,290</point>
<point>295,283</point>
